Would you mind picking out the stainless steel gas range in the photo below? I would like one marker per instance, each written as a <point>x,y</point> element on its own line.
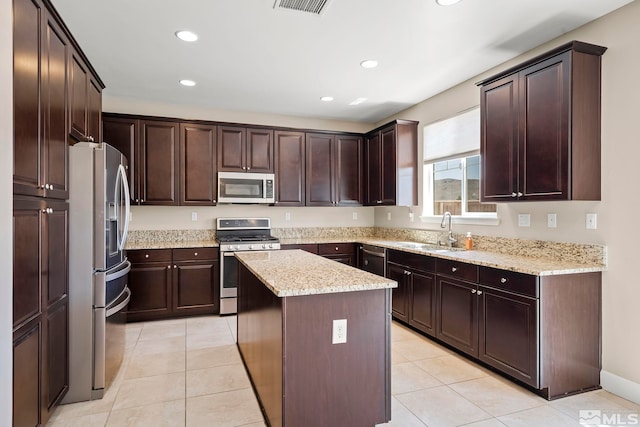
<point>235,235</point>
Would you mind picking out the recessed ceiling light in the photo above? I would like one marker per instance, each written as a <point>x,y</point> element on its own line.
<point>186,36</point>
<point>447,2</point>
<point>187,83</point>
<point>326,98</point>
<point>369,63</point>
<point>357,101</point>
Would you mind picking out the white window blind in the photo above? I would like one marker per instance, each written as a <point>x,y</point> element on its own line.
<point>452,137</point>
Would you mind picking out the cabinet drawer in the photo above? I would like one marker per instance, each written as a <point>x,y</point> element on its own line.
<point>411,260</point>
<point>149,255</point>
<point>335,248</point>
<point>195,254</point>
<point>307,247</point>
<point>457,269</point>
<point>520,283</point>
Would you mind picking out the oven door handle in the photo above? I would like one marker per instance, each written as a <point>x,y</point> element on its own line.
<point>228,254</point>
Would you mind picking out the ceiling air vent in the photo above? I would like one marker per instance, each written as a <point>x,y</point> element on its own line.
<point>317,7</point>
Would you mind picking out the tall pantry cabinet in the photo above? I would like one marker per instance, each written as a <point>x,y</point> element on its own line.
<point>43,54</point>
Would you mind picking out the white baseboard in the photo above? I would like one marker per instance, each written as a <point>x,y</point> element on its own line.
<point>620,386</point>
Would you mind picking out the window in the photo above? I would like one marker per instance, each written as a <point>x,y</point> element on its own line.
<point>452,167</point>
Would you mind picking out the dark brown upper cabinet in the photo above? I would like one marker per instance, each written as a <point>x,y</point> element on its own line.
<point>243,149</point>
<point>123,133</point>
<point>391,164</point>
<point>159,163</point>
<point>540,128</point>
<point>85,101</point>
<point>333,170</point>
<point>289,162</point>
<point>41,49</point>
<point>197,164</point>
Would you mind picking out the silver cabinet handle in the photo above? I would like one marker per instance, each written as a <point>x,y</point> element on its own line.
<point>168,267</point>
<point>513,194</point>
<point>195,254</point>
<point>366,262</point>
<point>520,194</point>
<point>146,255</point>
<point>454,269</point>
<point>248,168</point>
<point>473,291</point>
<point>337,248</point>
<point>175,266</point>
<point>479,292</point>
<point>503,280</point>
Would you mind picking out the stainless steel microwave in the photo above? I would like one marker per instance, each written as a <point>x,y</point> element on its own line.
<point>245,187</point>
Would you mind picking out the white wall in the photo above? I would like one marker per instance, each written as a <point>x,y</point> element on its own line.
<point>6,231</point>
<point>617,211</point>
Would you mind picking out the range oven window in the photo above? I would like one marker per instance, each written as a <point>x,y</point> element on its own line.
<point>229,275</point>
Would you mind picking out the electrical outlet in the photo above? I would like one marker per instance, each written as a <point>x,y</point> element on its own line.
<point>388,216</point>
<point>552,220</point>
<point>591,220</point>
<point>194,216</point>
<point>411,217</point>
<point>287,216</point>
<point>524,220</point>
<point>355,215</point>
<point>339,335</point>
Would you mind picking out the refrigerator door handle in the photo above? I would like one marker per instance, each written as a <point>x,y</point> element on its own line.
<point>122,180</point>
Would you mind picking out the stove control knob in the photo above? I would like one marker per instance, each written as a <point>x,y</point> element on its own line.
<point>250,247</point>
<point>270,246</point>
<point>264,246</point>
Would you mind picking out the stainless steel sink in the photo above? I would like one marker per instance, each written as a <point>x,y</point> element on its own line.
<point>426,247</point>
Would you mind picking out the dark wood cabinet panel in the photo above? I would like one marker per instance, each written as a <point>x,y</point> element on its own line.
<point>289,162</point>
<point>259,153</point>
<point>540,128</point>
<point>78,99</point>
<point>94,110</point>
<point>348,170</point>
<point>422,303</point>
<point>232,143</point>
<point>159,154</point>
<point>391,164</point>
<point>57,356</point>
<point>508,325</point>
<point>27,375</point>
<point>123,134</point>
<point>197,164</point>
<point>457,314</point>
<point>166,283</point>
<point>399,295</point>
<point>344,253</point>
<point>319,167</point>
<point>56,232</point>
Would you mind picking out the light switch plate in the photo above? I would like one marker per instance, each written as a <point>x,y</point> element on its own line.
<point>524,220</point>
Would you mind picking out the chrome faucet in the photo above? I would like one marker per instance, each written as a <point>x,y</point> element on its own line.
<point>450,239</point>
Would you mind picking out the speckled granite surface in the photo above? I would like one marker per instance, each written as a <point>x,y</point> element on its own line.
<point>294,272</point>
<point>525,256</point>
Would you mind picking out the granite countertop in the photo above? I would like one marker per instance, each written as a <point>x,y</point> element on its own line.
<point>173,244</point>
<point>295,272</point>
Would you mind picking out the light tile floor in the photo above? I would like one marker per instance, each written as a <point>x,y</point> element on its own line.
<point>188,373</point>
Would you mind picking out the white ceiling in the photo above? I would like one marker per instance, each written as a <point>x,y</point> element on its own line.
<point>252,57</point>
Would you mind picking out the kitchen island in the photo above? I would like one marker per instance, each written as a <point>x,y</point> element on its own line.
<point>287,304</point>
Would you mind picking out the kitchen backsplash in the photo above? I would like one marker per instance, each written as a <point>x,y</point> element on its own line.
<point>571,252</point>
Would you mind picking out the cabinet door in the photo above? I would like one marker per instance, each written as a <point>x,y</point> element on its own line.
<point>195,287</point>
<point>123,134</point>
<point>159,165</point>
<point>399,295</point>
<point>232,149</point>
<point>259,153</point>
<point>94,111</point>
<point>56,362</point>
<point>54,107</point>
<point>423,302</point>
<point>544,138</point>
<point>26,377</point>
<point>27,15</point>
<point>319,170</point>
<point>509,334</point>
<point>150,285</point>
<point>78,84</point>
<point>499,140</point>
<point>197,165</point>
<point>348,170</point>
<point>289,162</point>
<point>373,170</point>
<point>457,314</point>
<point>388,169</point>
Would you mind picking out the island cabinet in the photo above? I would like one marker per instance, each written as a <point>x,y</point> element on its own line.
<point>242,149</point>
<point>285,330</point>
<point>540,128</point>
<point>173,282</point>
<point>289,168</point>
<point>391,164</point>
<point>333,170</point>
<point>414,300</point>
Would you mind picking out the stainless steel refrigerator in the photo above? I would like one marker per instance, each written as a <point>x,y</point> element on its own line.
<point>98,267</point>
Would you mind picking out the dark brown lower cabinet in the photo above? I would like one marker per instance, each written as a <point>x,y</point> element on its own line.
<point>458,314</point>
<point>167,283</point>
<point>399,295</point>
<point>341,252</point>
<point>40,308</point>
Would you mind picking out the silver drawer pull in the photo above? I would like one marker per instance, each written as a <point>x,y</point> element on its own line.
<point>146,255</point>
<point>473,291</point>
<point>337,248</point>
<point>454,269</point>
<point>195,254</point>
<point>503,280</point>
<point>479,292</point>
